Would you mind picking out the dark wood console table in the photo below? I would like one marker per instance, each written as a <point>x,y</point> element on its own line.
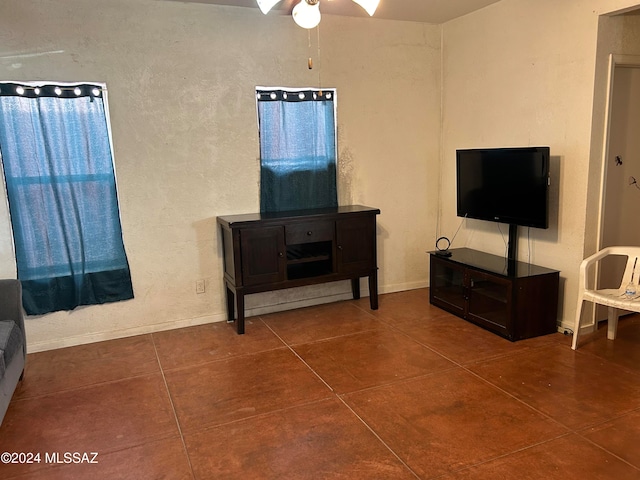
<point>272,251</point>
<point>477,286</point>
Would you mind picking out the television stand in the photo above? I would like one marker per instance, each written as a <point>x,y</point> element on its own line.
<point>513,299</point>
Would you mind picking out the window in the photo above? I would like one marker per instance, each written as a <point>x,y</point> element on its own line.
<point>55,145</point>
<point>297,149</point>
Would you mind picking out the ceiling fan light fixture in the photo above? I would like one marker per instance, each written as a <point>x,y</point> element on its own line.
<point>266,5</point>
<point>307,13</point>
<point>370,6</point>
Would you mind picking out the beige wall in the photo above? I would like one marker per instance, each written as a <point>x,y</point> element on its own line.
<point>181,80</point>
<point>519,73</point>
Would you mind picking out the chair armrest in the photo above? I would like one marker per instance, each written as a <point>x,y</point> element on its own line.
<point>624,251</point>
<point>595,257</point>
<point>591,260</point>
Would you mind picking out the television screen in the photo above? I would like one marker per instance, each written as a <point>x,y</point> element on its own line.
<point>506,185</point>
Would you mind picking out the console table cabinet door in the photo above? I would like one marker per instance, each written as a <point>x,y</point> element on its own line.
<point>356,244</point>
<point>447,287</point>
<point>489,302</point>
<point>263,255</point>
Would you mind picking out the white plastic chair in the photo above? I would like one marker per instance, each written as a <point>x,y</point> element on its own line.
<point>614,298</point>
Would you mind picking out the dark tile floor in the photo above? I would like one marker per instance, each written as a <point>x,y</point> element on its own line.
<point>331,392</point>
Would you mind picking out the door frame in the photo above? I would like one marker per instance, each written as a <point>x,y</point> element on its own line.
<point>615,61</point>
<point>632,61</point>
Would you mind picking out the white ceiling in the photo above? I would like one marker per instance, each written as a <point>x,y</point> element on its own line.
<point>427,11</point>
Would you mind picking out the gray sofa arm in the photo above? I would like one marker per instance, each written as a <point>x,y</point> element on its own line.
<point>11,303</point>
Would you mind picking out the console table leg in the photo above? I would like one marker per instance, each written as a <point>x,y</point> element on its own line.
<point>373,290</point>
<point>355,288</point>
<point>240,319</point>
<point>230,305</point>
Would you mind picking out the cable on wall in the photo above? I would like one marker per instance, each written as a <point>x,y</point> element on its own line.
<point>443,243</point>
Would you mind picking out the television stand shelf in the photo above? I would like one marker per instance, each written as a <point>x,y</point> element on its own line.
<point>516,303</point>
<point>271,251</point>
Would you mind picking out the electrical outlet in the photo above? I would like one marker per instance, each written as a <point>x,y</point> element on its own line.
<point>199,286</point>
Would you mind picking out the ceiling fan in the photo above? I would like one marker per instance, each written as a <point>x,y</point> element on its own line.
<point>307,13</point>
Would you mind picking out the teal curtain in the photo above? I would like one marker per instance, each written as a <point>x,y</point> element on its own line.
<point>58,168</point>
<point>297,149</point>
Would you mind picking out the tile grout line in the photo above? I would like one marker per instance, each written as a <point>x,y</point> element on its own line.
<point>84,387</point>
<point>173,408</point>
<point>505,455</point>
<point>455,365</point>
<point>591,354</point>
<point>260,415</point>
<point>597,445</point>
<point>375,434</point>
<point>574,430</point>
<point>459,363</point>
<point>519,400</point>
<point>465,367</point>
<point>604,422</point>
<point>345,398</point>
<point>390,382</point>
<point>298,356</point>
<point>339,397</point>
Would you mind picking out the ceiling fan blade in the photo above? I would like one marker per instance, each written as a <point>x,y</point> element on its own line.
<point>369,5</point>
<point>266,5</point>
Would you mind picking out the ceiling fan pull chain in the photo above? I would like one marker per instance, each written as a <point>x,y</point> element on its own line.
<point>310,62</point>
<point>319,60</point>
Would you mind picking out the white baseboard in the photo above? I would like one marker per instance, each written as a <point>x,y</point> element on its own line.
<point>402,287</point>
<point>34,347</point>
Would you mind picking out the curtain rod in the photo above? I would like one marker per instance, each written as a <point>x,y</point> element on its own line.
<point>294,95</point>
<point>37,90</point>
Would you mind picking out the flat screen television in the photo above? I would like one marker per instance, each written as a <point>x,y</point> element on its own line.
<point>506,185</point>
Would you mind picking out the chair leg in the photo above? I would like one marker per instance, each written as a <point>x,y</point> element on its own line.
<point>576,327</point>
<point>612,323</point>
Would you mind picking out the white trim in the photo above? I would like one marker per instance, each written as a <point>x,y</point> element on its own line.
<point>615,61</point>
<point>6,201</point>
<point>605,150</point>
<point>41,346</point>
<point>621,11</point>
<point>626,60</point>
<point>44,345</point>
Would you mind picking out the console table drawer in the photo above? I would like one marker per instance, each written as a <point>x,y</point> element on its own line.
<point>309,232</point>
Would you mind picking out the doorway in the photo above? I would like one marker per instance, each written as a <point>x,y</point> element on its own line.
<point>621,169</point>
